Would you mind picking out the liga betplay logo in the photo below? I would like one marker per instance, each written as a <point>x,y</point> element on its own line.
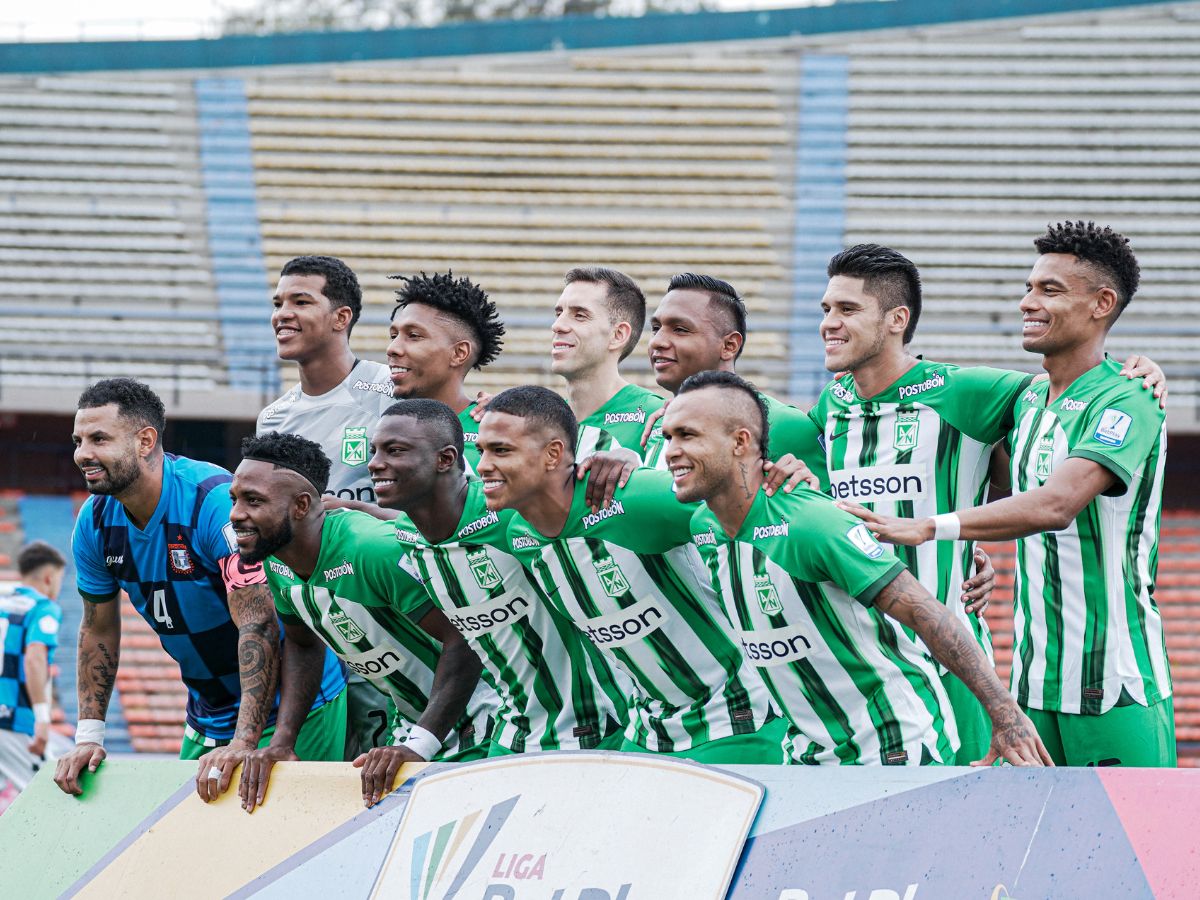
<point>466,835</point>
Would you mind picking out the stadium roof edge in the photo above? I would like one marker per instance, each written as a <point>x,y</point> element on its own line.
<point>524,36</point>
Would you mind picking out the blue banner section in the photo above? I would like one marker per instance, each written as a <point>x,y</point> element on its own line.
<point>820,210</point>
<point>234,234</point>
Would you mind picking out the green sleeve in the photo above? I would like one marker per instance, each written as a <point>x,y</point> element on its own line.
<point>654,520</point>
<point>390,573</point>
<point>794,431</point>
<point>1120,431</point>
<point>839,548</point>
<point>982,402</point>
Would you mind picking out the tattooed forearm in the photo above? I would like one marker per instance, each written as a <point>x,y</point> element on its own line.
<point>99,653</point>
<point>258,658</point>
<point>949,642</point>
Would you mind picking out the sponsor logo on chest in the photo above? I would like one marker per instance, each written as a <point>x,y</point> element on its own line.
<point>876,483</point>
<point>638,416</point>
<point>486,618</point>
<point>911,390</point>
<point>280,569</point>
<point>705,539</point>
<point>377,663</point>
<point>115,560</point>
<point>626,626</point>
<point>772,647</point>
<point>409,537</point>
<point>375,387</point>
<point>346,626</point>
<point>491,518</point>
<point>354,446</point>
<point>761,532</point>
<point>842,394</point>
<point>1070,405</point>
<point>338,571</point>
<point>525,543</point>
<point>616,508</point>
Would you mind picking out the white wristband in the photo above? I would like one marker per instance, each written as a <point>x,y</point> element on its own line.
<point>946,527</point>
<point>41,713</point>
<point>90,731</point>
<point>423,742</point>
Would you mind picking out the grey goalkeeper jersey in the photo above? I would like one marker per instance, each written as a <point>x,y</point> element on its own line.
<point>341,421</point>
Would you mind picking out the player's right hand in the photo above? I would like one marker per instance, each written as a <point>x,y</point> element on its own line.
<point>1015,740</point>
<point>652,420</point>
<point>222,760</point>
<point>256,773</point>
<point>380,765</point>
<point>41,734</point>
<point>71,765</point>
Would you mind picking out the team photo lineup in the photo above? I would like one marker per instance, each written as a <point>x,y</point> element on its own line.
<point>401,570</point>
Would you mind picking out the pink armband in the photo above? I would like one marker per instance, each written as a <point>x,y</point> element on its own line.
<point>238,574</point>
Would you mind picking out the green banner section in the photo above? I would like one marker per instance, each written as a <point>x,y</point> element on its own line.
<point>51,839</point>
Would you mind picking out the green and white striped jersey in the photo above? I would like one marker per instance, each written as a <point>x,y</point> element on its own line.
<point>919,448</point>
<point>619,423</point>
<point>631,581</point>
<point>470,435</point>
<point>364,600</point>
<point>1088,632</point>
<point>790,431</point>
<point>556,691</point>
<point>855,687</point>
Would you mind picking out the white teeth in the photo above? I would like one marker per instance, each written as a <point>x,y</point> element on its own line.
<point>399,370</point>
<point>680,471</point>
<point>381,482</point>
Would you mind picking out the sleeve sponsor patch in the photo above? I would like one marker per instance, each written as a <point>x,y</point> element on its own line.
<point>48,625</point>
<point>1113,427</point>
<point>230,537</point>
<point>861,537</point>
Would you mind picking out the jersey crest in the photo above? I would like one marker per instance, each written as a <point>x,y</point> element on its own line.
<point>907,424</point>
<point>768,597</point>
<point>1045,457</point>
<point>484,570</point>
<point>612,579</point>
<point>354,446</point>
<point>180,559</point>
<point>346,626</point>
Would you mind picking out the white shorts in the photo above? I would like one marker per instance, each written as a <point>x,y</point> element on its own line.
<point>17,764</point>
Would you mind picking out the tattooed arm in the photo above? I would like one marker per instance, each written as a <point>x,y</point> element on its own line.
<point>99,652</point>
<point>1013,735</point>
<point>253,611</point>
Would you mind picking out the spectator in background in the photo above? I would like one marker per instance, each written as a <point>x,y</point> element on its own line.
<point>29,622</point>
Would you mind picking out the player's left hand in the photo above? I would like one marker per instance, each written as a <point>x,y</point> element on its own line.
<point>380,766</point>
<point>1152,375</point>
<point>610,470</point>
<point>977,590</point>
<point>482,399</point>
<point>256,773</point>
<point>788,472</point>
<point>41,734</point>
<point>893,530</point>
<point>1015,740</point>
<point>220,759</point>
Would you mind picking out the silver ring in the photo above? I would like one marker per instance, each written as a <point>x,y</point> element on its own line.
<point>214,774</point>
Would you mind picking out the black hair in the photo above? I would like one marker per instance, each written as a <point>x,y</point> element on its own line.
<point>461,298</point>
<point>540,405</point>
<point>134,401</point>
<point>722,295</point>
<point>1102,248</point>
<point>341,284</point>
<point>290,451</point>
<point>424,410</point>
<point>36,554</point>
<point>623,299</point>
<point>887,275</point>
<point>731,381</point>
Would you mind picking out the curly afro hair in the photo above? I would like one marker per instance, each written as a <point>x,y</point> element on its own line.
<point>460,298</point>
<point>1103,248</point>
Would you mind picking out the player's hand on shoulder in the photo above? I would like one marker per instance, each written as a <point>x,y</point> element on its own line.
<point>482,399</point>
<point>380,765</point>
<point>653,419</point>
<point>215,769</point>
<point>977,590</point>
<point>788,472</point>
<point>610,470</point>
<point>70,766</point>
<point>256,773</point>
<point>891,529</point>
<point>1153,377</point>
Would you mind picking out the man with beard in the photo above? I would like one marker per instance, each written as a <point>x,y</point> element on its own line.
<point>157,527</point>
<point>341,578</point>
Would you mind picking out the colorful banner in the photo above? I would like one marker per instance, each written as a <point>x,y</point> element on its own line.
<point>613,827</point>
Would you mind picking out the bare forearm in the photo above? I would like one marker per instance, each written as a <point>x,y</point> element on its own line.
<point>300,679</point>
<point>37,673</point>
<point>99,654</point>
<point>454,681</point>
<point>258,665</point>
<point>1016,517</point>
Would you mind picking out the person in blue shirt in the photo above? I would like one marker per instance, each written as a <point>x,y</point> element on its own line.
<point>29,622</point>
<point>157,527</point>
